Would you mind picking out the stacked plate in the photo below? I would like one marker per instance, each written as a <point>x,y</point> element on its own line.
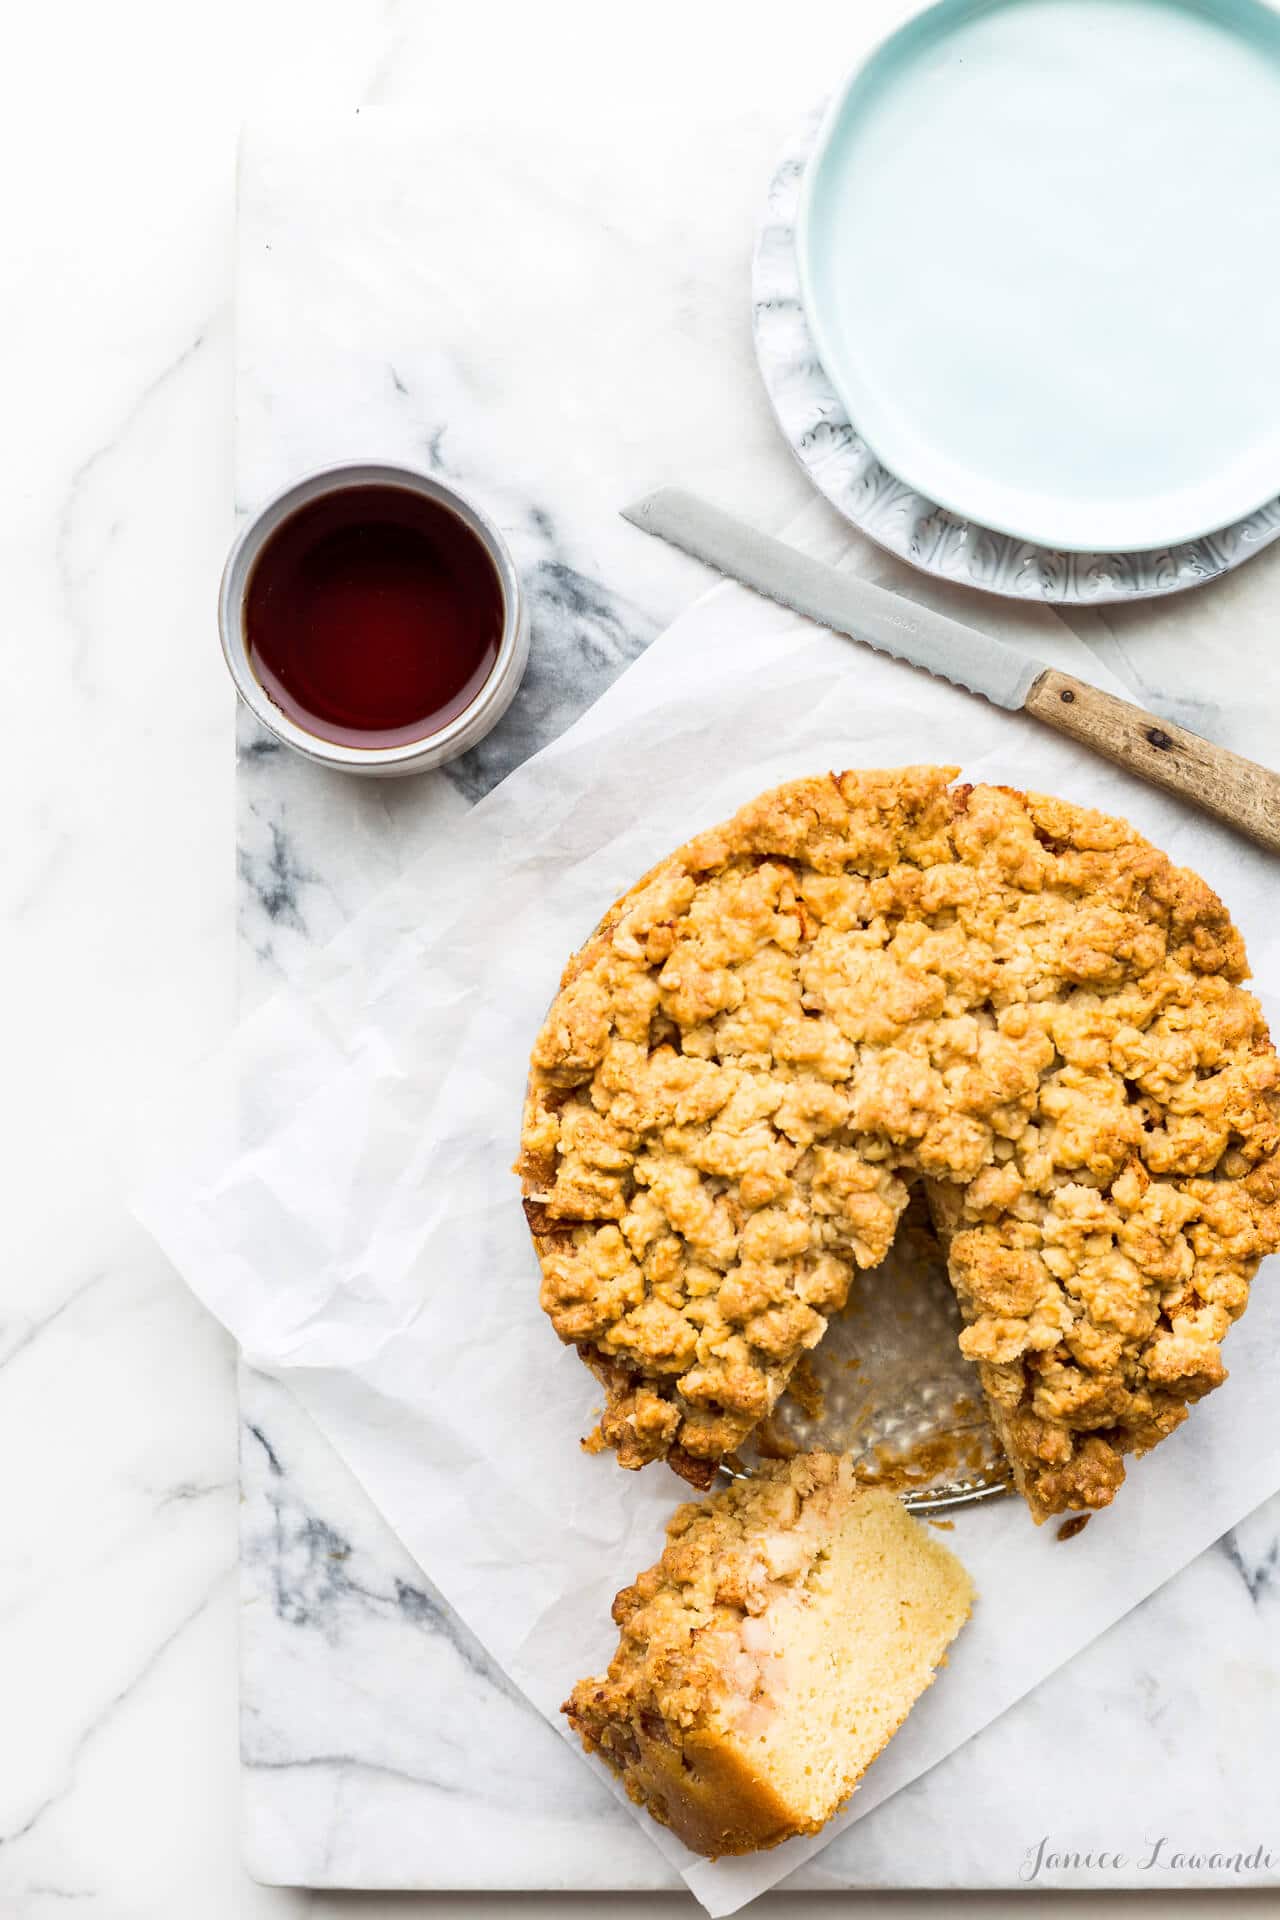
<point>1017,294</point>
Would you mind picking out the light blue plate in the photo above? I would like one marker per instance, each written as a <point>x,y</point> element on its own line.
<point>1039,249</point>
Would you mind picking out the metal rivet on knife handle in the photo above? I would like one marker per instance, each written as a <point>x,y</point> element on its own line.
<point>1239,791</point>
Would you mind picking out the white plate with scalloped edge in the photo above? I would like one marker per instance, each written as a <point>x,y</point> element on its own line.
<point>1039,249</point>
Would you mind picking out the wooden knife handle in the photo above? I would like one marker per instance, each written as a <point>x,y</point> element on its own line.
<point>1239,791</point>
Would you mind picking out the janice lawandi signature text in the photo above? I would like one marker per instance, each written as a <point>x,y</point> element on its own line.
<point>1161,1855</point>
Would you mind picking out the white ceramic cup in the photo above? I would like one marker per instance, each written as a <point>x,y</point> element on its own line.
<point>413,756</point>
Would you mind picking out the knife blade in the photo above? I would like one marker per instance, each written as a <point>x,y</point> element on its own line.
<point>1235,790</point>
<point>968,658</point>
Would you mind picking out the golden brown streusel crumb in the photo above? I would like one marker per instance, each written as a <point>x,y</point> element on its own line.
<point>866,979</point>
<point>805,1389</point>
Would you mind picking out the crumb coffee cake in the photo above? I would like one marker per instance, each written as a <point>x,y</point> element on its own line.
<point>782,1639</point>
<point>868,979</point>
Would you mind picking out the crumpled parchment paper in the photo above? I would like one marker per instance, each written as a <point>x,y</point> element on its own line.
<point>337,1188</point>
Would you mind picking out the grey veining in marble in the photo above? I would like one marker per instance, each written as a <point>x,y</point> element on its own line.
<point>120,1789</point>
<point>381,1747</point>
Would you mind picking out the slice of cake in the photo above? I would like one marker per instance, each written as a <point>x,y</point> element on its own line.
<point>791,1624</point>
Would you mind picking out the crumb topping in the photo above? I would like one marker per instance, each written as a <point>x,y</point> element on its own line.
<point>868,979</point>
<point>694,1647</point>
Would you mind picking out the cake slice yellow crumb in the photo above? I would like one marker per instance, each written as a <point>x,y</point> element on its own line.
<point>791,1624</point>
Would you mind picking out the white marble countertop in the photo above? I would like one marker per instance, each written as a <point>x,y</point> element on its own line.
<point>119,1783</point>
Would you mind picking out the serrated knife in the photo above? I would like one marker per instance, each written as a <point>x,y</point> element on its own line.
<point>1239,791</point>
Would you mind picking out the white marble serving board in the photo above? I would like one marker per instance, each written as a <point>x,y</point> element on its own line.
<point>553,309</point>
